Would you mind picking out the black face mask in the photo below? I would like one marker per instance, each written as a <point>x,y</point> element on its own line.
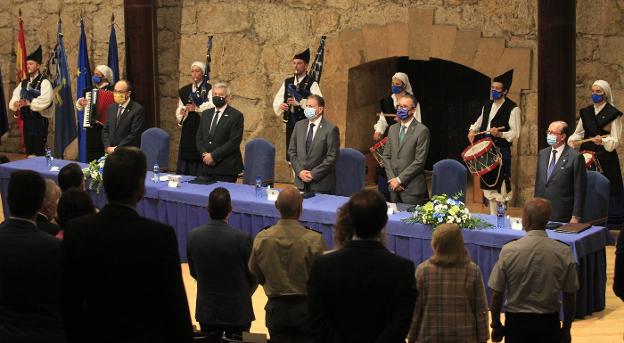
<point>218,101</point>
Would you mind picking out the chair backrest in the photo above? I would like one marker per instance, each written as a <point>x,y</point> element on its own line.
<point>350,172</point>
<point>259,161</point>
<point>449,177</point>
<point>155,145</point>
<point>596,198</point>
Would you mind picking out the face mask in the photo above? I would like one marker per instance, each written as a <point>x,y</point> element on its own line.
<point>496,94</point>
<point>96,79</point>
<point>402,113</point>
<point>218,101</point>
<point>309,112</point>
<point>120,98</point>
<point>397,89</point>
<point>551,139</point>
<point>597,98</point>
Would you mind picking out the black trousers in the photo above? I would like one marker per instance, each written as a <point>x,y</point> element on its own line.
<point>95,147</point>
<point>618,275</point>
<point>35,144</point>
<point>287,320</point>
<point>529,327</point>
<point>215,332</point>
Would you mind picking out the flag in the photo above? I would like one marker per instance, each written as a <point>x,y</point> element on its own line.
<point>83,83</point>
<point>4,122</point>
<point>21,72</point>
<point>113,59</point>
<point>64,116</point>
<point>317,66</point>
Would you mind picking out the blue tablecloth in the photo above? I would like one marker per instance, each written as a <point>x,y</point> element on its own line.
<point>185,208</point>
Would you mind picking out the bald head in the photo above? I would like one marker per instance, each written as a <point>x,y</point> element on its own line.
<point>289,203</point>
<point>535,214</point>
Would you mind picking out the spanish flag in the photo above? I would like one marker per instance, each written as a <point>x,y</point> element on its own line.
<point>21,72</point>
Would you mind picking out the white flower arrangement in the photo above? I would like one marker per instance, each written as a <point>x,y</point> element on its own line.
<point>94,171</point>
<point>444,209</point>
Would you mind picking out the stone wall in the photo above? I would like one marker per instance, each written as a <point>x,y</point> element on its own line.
<point>40,27</point>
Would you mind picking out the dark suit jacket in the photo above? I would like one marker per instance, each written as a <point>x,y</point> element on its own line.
<point>321,160</point>
<point>217,257</point>
<point>407,160</point>
<point>30,284</point>
<point>122,280</point>
<point>361,293</point>
<point>47,226</point>
<point>127,130</point>
<point>618,271</point>
<point>225,145</point>
<point>566,187</point>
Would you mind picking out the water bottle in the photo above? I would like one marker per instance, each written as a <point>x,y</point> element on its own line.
<point>48,156</point>
<point>259,188</point>
<point>156,172</point>
<point>500,215</point>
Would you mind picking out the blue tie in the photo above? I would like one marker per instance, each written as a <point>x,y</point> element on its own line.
<point>551,166</point>
<point>309,138</point>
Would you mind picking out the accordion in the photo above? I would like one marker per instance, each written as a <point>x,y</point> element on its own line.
<point>98,101</point>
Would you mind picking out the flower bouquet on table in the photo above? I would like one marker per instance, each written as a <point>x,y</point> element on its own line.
<point>94,172</point>
<point>443,209</point>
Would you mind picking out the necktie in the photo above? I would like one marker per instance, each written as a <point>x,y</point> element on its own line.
<point>213,125</point>
<point>309,138</point>
<point>401,134</point>
<point>119,112</point>
<point>551,166</point>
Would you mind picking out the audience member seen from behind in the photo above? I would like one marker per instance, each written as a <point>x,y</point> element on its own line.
<point>30,304</point>
<point>71,176</point>
<point>452,306</point>
<point>47,212</point>
<point>122,275</point>
<point>362,292</point>
<point>535,272</point>
<point>74,203</point>
<point>217,257</point>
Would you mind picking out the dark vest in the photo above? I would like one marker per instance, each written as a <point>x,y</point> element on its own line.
<point>501,119</point>
<point>188,147</point>
<point>34,123</point>
<point>593,125</point>
<point>297,115</point>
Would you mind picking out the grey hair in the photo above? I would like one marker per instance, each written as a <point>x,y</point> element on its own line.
<point>50,190</point>
<point>223,85</point>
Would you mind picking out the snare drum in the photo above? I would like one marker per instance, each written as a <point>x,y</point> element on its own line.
<point>591,161</point>
<point>484,159</point>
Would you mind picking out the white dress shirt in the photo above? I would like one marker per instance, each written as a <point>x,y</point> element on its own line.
<point>38,104</point>
<point>514,122</point>
<point>205,106</point>
<point>279,97</point>
<point>316,123</point>
<point>610,142</point>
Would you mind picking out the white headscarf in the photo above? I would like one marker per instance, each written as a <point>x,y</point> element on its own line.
<point>405,79</point>
<point>199,65</point>
<point>108,72</point>
<point>607,90</point>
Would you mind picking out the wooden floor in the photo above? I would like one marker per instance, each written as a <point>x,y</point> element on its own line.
<point>603,327</point>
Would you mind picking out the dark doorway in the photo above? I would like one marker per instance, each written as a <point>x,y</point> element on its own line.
<point>451,97</point>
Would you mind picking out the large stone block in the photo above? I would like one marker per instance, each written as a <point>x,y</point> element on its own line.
<point>420,33</point>
<point>587,73</point>
<point>274,23</point>
<point>352,44</point>
<point>398,39</point>
<point>586,48</point>
<point>601,17</point>
<point>519,60</point>
<point>488,53</point>
<point>612,50</point>
<point>376,46</point>
<point>443,41</point>
<point>216,18</point>
<point>465,48</point>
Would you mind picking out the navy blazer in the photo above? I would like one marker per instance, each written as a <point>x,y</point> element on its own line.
<point>30,284</point>
<point>566,186</point>
<point>224,146</point>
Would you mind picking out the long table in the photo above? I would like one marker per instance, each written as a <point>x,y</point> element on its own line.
<point>185,208</point>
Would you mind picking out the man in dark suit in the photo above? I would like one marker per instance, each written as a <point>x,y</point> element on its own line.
<point>122,277</point>
<point>561,176</point>
<point>124,120</point>
<point>362,292</point>
<point>47,212</point>
<point>30,293</point>
<point>217,259</point>
<point>314,148</point>
<point>219,137</point>
<point>405,155</point>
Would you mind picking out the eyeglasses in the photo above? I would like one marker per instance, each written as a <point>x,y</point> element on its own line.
<point>548,132</point>
<point>120,92</point>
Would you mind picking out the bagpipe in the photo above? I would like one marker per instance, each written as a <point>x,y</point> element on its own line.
<point>302,90</point>
<point>198,98</point>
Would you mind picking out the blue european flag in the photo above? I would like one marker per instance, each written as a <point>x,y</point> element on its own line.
<point>83,84</point>
<point>65,117</point>
<point>113,58</point>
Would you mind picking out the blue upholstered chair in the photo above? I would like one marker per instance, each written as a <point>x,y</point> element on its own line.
<point>596,198</point>
<point>259,161</point>
<point>449,177</point>
<point>350,172</point>
<point>155,145</point>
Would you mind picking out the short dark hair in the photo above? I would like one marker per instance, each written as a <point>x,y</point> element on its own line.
<point>124,170</point>
<point>368,213</point>
<point>219,203</point>
<point>319,99</point>
<point>25,194</point>
<point>413,98</point>
<point>70,176</point>
<point>74,203</point>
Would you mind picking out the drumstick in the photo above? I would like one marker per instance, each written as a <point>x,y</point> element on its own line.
<point>588,139</point>
<point>488,130</point>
